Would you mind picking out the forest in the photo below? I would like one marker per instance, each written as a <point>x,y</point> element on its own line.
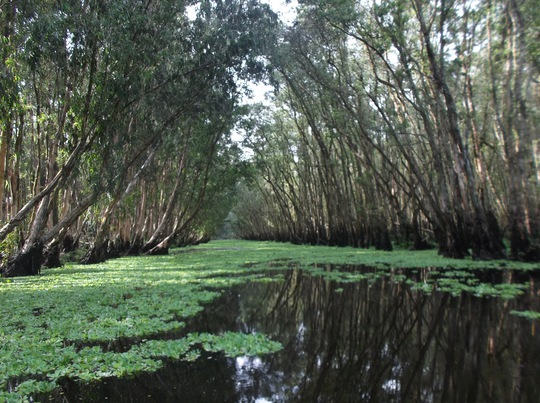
<point>394,123</point>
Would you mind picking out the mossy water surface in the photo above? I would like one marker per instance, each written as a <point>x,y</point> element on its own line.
<point>128,315</point>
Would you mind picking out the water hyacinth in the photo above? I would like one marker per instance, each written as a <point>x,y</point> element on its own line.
<point>129,315</point>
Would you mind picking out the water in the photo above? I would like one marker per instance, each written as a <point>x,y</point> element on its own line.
<point>372,341</point>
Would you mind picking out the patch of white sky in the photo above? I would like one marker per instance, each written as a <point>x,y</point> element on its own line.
<point>261,92</point>
<point>286,11</point>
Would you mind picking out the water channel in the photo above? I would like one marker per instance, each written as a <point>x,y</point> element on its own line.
<point>374,341</point>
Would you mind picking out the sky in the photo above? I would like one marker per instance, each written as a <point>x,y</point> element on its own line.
<point>287,13</point>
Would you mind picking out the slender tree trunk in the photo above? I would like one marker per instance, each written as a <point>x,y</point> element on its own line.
<point>519,142</point>
<point>186,217</point>
<point>5,139</point>
<point>9,98</point>
<point>486,236</point>
<point>16,195</point>
<point>171,204</point>
<point>99,251</point>
<point>59,178</point>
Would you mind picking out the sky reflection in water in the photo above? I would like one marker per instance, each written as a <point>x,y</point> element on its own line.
<point>365,341</point>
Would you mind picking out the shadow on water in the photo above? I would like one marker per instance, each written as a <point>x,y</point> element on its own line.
<point>366,341</point>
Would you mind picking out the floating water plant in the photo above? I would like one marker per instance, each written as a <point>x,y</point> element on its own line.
<point>129,315</point>
<point>68,322</point>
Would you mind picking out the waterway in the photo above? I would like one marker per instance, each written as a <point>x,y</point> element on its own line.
<point>377,340</point>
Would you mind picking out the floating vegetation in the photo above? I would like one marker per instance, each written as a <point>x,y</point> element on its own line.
<point>128,315</point>
<point>67,323</point>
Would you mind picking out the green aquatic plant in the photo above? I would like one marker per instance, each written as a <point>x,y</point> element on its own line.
<point>53,320</point>
<point>67,322</point>
<point>463,283</point>
<point>237,344</point>
<point>425,287</point>
<point>92,363</point>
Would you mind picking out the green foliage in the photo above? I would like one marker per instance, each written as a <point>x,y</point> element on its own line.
<point>9,245</point>
<point>66,322</point>
<point>532,315</point>
<point>237,344</point>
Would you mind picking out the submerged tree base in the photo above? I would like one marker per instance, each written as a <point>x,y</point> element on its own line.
<point>52,258</point>
<point>521,248</point>
<point>25,263</point>
<point>157,251</point>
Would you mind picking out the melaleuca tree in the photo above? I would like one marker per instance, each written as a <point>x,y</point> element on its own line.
<point>104,83</point>
<point>313,156</point>
<point>219,55</point>
<point>509,55</point>
<point>432,104</point>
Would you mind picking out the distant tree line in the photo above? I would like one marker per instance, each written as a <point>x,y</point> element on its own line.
<point>408,121</point>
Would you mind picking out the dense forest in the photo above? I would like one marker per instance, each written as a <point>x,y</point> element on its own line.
<point>402,121</point>
<point>410,122</point>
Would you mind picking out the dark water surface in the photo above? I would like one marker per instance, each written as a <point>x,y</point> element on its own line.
<point>372,341</point>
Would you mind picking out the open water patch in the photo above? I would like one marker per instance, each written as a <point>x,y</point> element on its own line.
<point>380,338</point>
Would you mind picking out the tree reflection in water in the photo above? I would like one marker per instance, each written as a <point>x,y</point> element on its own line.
<point>367,341</point>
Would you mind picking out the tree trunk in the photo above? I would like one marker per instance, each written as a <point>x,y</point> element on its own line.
<point>51,257</point>
<point>29,259</point>
<point>100,249</point>
<point>4,142</point>
<point>171,204</point>
<point>55,182</point>
<point>25,263</point>
<point>419,243</point>
<point>160,249</point>
<point>524,245</point>
<point>487,237</point>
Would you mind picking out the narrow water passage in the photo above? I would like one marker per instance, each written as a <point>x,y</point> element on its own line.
<point>373,341</point>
